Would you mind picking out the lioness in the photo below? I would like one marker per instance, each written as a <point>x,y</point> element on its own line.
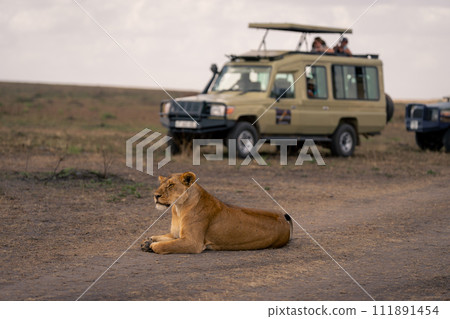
<point>200,221</point>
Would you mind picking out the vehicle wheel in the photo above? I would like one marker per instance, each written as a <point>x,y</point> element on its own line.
<point>175,143</point>
<point>446,141</point>
<point>293,150</point>
<point>428,141</point>
<point>389,108</point>
<point>421,141</point>
<point>240,132</point>
<point>343,141</point>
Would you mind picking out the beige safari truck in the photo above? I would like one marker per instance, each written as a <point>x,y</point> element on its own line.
<point>279,94</point>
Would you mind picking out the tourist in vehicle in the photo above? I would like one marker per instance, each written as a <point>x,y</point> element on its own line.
<point>319,45</point>
<point>342,48</point>
<point>243,83</point>
<point>311,89</point>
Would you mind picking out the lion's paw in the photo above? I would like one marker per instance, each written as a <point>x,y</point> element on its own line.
<point>145,246</point>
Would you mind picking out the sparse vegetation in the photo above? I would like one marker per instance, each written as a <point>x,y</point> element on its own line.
<point>108,116</point>
<point>69,205</point>
<point>132,190</point>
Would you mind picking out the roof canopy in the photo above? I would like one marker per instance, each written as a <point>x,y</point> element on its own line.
<point>297,28</point>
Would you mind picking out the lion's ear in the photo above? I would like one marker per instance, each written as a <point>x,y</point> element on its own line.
<point>188,178</point>
<point>162,179</point>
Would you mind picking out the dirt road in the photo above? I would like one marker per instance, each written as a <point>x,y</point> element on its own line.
<point>381,236</point>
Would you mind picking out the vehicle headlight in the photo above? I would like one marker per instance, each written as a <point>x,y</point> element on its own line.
<point>166,107</point>
<point>219,110</point>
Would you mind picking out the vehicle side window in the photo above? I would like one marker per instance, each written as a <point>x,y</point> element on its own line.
<point>355,82</point>
<point>283,82</point>
<point>316,82</point>
<point>373,92</point>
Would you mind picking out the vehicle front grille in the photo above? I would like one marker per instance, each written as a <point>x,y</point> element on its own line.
<point>417,112</point>
<point>191,107</point>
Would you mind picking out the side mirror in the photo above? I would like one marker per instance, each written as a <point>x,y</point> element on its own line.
<point>214,68</point>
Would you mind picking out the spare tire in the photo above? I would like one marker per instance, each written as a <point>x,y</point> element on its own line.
<point>389,108</point>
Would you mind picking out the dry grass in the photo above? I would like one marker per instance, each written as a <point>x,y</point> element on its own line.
<point>78,119</point>
<point>63,121</point>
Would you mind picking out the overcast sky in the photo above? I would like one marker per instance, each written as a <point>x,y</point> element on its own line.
<point>54,41</point>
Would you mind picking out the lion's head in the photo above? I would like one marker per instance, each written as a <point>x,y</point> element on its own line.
<point>173,188</point>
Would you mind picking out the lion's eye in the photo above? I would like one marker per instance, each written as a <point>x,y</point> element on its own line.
<point>170,186</point>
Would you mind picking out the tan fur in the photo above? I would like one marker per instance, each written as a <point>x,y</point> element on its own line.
<point>200,221</point>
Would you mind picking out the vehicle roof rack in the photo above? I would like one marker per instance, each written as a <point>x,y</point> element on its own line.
<point>273,55</point>
<point>259,55</point>
<point>292,27</point>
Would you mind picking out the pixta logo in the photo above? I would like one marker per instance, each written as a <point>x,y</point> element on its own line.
<point>282,144</point>
<point>146,141</point>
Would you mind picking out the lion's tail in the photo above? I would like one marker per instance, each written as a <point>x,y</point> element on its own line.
<point>289,220</point>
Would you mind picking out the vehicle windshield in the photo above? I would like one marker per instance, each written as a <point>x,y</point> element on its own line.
<point>243,78</point>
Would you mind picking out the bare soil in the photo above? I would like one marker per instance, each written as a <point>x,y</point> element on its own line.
<point>381,218</point>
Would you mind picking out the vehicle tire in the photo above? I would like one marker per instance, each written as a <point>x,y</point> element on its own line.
<point>446,141</point>
<point>243,130</point>
<point>389,108</point>
<point>429,141</point>
<point>421,141</point>
<point>343,141</point>
<point>175,143</point>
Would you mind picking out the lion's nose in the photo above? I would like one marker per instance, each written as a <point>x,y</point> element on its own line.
<point>157,196</point>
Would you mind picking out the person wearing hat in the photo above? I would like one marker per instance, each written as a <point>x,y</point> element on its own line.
<point>319,45</point>
<point>342,48</point>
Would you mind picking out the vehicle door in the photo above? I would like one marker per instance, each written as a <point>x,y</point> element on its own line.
<point>313,116</point>
<point>285,104</point>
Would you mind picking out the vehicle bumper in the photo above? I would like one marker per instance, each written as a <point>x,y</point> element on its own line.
<point>422,126</point>
<point>205,125</point>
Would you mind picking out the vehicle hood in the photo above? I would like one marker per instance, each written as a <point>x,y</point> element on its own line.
<point>442,105</point>
<point>228,98</point>
<point>439,105</point>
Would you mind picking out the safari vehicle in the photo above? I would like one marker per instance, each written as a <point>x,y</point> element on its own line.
<point>278,94</point>
<point>431,123</point>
